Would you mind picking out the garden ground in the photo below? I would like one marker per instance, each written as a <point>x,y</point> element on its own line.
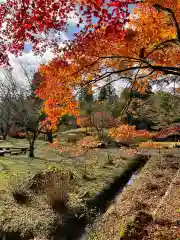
<point>88,176</point>
<point>87,179</point>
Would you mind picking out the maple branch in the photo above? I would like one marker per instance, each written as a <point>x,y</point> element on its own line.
<point>88,65</point>
<point>170,12</point>
<point>140,59</point>
<point>114,80</point>
<point>117,56</point>
<point>165,69</point>
<point>160,44</point>
<point>108,74</point>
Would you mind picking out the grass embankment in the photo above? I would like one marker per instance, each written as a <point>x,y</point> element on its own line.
<point>147,209</point>
<point>32,212</point>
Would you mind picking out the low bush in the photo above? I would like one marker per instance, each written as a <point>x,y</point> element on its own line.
<point>125,131</point>
<point>99,120</point>
<point>132,228</point>
<point>57,191</point>
<point>54,184</point>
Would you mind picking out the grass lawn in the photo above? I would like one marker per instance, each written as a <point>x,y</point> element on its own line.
<point>91,174</point>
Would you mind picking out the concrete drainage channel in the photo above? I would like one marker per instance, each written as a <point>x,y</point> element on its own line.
<point>127,179</point>
<point>130,182</point>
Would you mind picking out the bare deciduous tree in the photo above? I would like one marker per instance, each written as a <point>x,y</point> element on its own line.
<point>19,107</point>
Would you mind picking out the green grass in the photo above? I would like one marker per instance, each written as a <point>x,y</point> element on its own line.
<point>18,167</point>
<point>92,173</point>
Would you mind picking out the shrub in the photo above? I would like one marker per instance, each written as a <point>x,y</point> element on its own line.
<point>123,132</point>
<point>54,184</point>
<point>21,197</point>
<point>20,194</point>
<point>103,120</point>
<point>83,121</point>
<point>57,191</point>
<point>127,132</point>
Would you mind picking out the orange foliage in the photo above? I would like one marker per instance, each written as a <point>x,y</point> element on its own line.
<point>46,126</point>
<point>56,89</point>
<point>126,132</point>
<point>82,62</point>
<point>70,149</point>
<point>123,132</point>
<point>143,134</point>
<point>89,142</point>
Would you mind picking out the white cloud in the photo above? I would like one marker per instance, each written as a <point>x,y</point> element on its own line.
<point>23,67</point>
<point>73,18</point>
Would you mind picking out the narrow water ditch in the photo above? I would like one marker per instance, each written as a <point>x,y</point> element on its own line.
<point>130,182</point>
<point>74,227</point>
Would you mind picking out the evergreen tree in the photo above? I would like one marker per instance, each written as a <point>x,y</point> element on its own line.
<point>85,95</point>
<point>111,93</point>
<point>86,100</point>
<point>108,93</point>
<point>102,94</point>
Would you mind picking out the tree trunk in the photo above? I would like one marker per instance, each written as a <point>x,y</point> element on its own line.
<point>31,150</point>
<point>6,132</point>
<point>4,136</point>
<point>50,137</point>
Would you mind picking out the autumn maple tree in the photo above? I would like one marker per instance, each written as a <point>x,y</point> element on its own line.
<point>149,45</point>
<point>31,21</point>
<point>25,20</point>
<point>110,41</point>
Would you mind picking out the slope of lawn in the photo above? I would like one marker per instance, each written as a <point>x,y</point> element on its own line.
<point>89,175</point>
